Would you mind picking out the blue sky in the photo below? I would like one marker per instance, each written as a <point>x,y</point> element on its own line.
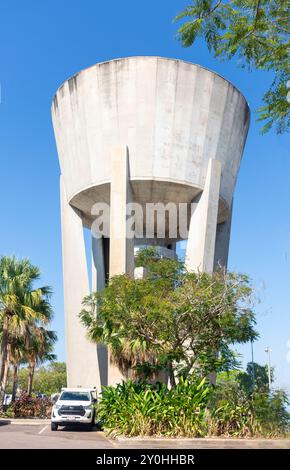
<point>44,43</point>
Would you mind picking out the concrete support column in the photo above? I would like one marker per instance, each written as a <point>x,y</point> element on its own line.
<point>98,264</point>
<point>121,248</point>
<point>203,224</point>
<point>98,283</point>
<point>82,364</point>
<point>222,242</point>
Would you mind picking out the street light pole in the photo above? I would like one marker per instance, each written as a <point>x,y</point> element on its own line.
<point>268,351</point>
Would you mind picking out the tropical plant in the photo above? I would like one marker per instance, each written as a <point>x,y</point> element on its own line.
<point>239,411</point>
<point>28,406</point>
<point>142,409</point>
<point>16,356</point>
<point>254,31</point>
<point>193,408</point>
<point>21,305</point>
<point>39,343</point>
<point>171,320</point>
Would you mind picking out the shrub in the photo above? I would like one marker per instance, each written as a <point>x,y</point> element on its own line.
<point>32,407</point>
<point>191,409</point>
<point>271,416</point>
<point>142,409</point>
<point>234,413</point>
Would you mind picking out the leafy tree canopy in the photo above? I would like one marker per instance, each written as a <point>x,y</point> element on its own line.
<point>254,31</point>
<point>254,378</point>
<point>171,319</point>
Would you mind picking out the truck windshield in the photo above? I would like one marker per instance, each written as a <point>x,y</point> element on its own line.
<point>77,396</point>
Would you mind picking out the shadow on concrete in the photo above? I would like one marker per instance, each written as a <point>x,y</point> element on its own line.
<point>78,428</point>
<point>4,422</point>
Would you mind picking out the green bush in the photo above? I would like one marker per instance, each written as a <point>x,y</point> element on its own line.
<point>141,409</point>
<point>32,407</point>
<point>7,412</point>
<point>192,408</point>
<point>232,412</point>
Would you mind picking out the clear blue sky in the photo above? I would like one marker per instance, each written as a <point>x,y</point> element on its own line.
<point>44,43</point>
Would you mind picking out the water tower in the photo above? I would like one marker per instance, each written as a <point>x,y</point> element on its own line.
<point>143,130</point>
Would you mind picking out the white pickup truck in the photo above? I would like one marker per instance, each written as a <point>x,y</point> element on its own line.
<point>74,405</point>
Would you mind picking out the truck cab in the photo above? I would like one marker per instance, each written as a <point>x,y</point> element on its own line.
<point>74,406</point>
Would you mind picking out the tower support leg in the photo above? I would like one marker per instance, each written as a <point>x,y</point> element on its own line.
<point>121,247</point>
<point>203,224</point>
<point>222,242</point>
<point>98,283</point>
<point>82,364</point>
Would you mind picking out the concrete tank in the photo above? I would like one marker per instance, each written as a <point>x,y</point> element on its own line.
<point>142,130</point>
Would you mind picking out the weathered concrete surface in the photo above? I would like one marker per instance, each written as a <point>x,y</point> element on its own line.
<point>98,283</point>
<point>173,116</point>
<point>142,129</point>
<point>222,241</point>
<point>203,224</point>
<point>82,366</point>
<point>121,247</point>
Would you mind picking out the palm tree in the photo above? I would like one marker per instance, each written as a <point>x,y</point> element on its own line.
<point>39,343</point>
<point>16,356</point>
<point>20,304</point>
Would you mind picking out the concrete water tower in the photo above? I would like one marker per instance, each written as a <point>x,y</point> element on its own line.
<point>142,130</point>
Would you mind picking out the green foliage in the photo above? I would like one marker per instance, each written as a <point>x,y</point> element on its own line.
<point>140,409</point>
<point>255,378</point>
<point>47,380</point>
<point>9,413</point>
<point>193,408</point>
<point>254,31</point>
<point>146,257</point>
<point>171,320</point>
<point>25,312</point>
<point>232,412</point>
<point>32,407</point>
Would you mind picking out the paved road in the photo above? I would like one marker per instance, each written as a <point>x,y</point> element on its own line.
<point>16,436</point>
<point>39,436</point>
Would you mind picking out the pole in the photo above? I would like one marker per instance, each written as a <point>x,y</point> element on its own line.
<point>268,351</point>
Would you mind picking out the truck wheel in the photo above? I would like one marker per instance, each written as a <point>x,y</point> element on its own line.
<point>53,426</point>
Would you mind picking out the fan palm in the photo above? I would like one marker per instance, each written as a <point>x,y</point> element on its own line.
<point>16,356</point>
<point>20,304</point>
<point>39,343</point>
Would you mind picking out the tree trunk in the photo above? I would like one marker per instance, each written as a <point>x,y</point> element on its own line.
<point>171,376</point>
<point>15,381</point>
<point>3,360</point>
<point>4,380</point>
<point>4,366</point>
<point>31,368</point>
